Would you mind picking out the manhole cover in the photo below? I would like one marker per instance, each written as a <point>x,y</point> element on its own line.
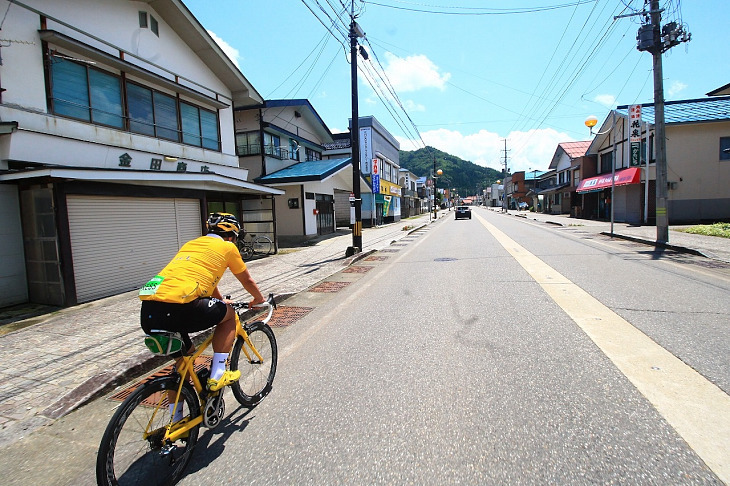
<point>329,287</point>
<point>399,244</point>
<point>389,250</point>
<point>444,259</point>
<point>376,259</point>
<point>357,269</point>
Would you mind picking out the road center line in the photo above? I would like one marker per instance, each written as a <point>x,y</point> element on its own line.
<point>696,408</point>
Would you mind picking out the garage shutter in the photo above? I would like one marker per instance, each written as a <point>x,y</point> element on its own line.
<point>119,243</point>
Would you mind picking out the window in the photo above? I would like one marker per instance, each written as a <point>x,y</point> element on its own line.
<point>89,94</point>
<point>272,145</point>
<point>293,149</point>
<point>248,143</point>
<point>311,154</point>
<point>143,20</point>
<point>154,26</point>
<point>651,149</point>
<point>606,160</point>
<point>152,113</point>
<point>85,93</point>
<point>724,148</point>
<point>199,126</point>
<point>165,110</point>
<point>139,102</point>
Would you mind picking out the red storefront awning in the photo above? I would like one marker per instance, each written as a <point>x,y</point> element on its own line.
<point>621,178</point>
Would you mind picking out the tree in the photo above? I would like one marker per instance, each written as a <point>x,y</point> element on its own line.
<point>460,174</point>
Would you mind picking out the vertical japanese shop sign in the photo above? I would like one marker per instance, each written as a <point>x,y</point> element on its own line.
<point>376,176</point>
<point>635,133</point>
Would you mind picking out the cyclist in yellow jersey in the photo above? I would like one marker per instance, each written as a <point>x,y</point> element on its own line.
<point>184,296</point>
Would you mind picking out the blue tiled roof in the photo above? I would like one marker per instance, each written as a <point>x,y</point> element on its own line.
<point>687,111</point>
<point>314,170</point>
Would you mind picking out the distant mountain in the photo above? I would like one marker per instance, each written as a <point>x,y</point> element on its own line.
<point>461,174</point>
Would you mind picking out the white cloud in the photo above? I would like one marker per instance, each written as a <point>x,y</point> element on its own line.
<point>531,150</point>
<point>229,51</point>
<point>675,88</point>
<point>413,73</point>
<point>607,100</point>
<point>411,106</point>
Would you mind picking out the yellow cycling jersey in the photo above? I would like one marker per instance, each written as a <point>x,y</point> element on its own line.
<point>195,271</point>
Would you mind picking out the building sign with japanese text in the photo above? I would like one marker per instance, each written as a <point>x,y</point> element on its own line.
<point>635,133</point>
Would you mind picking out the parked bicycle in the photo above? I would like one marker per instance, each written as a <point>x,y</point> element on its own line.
<point>251,244</point>
<point>151,437</point>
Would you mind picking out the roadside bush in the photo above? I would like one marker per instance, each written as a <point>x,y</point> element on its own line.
<point>721,230</point>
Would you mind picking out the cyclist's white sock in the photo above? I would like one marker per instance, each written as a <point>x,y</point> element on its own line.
<point>178,412</point>
<point>219,365</point>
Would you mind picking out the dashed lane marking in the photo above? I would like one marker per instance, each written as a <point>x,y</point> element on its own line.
<point>696,408</point>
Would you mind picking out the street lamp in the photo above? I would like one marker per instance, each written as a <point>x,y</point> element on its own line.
<point>590,123</point>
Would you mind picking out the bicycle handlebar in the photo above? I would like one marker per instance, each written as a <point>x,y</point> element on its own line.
<point>270,304</point>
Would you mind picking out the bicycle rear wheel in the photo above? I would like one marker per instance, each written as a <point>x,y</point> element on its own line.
<point>126,457</point>
<point>262,245</point>
<point>245,249</point>
<point>257,375</point>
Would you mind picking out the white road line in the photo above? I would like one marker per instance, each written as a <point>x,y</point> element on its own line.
<point>696,408</point>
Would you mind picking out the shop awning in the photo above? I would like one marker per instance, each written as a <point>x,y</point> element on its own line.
<point>621,178</point>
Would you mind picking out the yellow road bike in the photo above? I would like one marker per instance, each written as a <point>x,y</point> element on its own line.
<point>151,437</point>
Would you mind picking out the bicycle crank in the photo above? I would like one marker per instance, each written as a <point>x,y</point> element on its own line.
<point>214,410</point>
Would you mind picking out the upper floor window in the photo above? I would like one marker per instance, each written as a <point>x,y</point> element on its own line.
<point>606,161</point>
<point>248,143</point>
<point>293,149</point>
<point>90,94</point>
<point>312,154</point>
<point>85,93</point>
<point>272,146</point>
<point>152,24</point>
<point>724,148</point>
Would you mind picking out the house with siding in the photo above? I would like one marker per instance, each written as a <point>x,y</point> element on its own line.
<point>698,163</point>
<point>282,144</point>
<point>116,140</point>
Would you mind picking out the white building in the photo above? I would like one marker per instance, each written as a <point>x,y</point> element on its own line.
<point>116,139</point>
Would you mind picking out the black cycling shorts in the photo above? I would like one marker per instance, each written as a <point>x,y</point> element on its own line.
<point>194,316</point>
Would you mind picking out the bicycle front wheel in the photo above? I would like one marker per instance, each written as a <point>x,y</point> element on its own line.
<point>133,451</point>
<point>257,375</point>
<point>262,245</point>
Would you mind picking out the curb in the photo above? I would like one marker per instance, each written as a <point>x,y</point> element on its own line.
<point>657,244</point>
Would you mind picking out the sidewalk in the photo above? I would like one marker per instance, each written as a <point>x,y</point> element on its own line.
<point>711,247</point>
<point>54,363</point>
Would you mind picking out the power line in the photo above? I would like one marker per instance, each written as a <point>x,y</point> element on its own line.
<point>445,10</point>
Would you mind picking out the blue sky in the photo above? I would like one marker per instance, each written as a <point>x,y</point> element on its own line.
<point>467,82</point>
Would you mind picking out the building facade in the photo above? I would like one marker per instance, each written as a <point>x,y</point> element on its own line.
<point>117,139</point>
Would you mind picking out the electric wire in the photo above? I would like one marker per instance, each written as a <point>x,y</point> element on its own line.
<point>472,11</point>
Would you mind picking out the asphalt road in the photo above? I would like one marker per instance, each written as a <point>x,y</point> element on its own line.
<point>458,360</point>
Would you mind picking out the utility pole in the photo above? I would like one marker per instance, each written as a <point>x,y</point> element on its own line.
<point>657,40</point>
<point>355,32</point>
<point>504,174</point>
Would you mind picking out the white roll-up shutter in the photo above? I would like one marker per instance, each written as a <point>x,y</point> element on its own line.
<point>119,243</point>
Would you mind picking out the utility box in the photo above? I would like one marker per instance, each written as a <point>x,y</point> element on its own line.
<point>645,37</point>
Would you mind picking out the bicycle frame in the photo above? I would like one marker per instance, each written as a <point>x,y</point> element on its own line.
<point>185,368</point>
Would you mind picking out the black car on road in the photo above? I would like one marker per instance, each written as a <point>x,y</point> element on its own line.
<point>463,212</point>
